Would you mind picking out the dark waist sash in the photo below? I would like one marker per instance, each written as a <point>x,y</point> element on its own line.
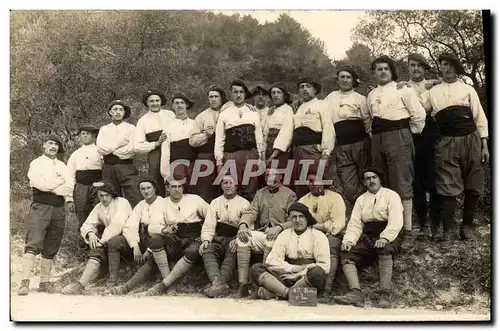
<point>306,136</point>
<point>88,177</point>
<point>181,150</point>
<point>47,198</point>
<point>455,121</point>
<point>374,228</point>
<point>349,132</point>
<point>112,159</point>
<point>380,125</point>
<point>272,134</point>
<point>188,230</point>
<point>225,230</point>
<point>300,261</point>
<point>209,146</point>
<point>153,136</point>
<point>241,137</point>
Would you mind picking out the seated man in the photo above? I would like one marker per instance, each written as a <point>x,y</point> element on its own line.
<point>328,208</point>
<point>137,233</point>
<point>110,214</point>
<point>372,232</point>
<point>218,237</point>
<point>180,235</point>
<point>300,258</point>
<point>261,223</point>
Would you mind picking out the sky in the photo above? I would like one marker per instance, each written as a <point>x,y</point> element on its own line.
<point>332,27</point>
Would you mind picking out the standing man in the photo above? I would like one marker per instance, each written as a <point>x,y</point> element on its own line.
<point>52,185</point>
<point>218,237</point>
<point>299,258</point>
<point>328,209</point>
<point>115,142</point>
<point>425,152</point>
<point>149,133</point>
<point>278,130</point>
<point>396,114</point>
<point>238,138</point>
<point>203,139</point>
<point>462,146</point>
<point>352,123</point>
<point>85,165</point>
<point>260,98</point>
<point>313,135</point>
<point>261,223</point>
<point>371,234</point>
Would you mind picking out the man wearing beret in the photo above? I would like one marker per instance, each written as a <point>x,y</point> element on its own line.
<point>100,231</point>
<point>260,98</point>
<point>313,135</point>
<point>115,142</point>
<point>149,132</point>
<point>203,139</point>
<point>462,146</point>
<point>371,234</point>
<point>138,229</point>
<point>352,123</point>
<point>176,147</point>
<point>86,167</point>
<point>238,139</point>
<point>299,258</point>
<point>52,185</point>
<point>396,114</point>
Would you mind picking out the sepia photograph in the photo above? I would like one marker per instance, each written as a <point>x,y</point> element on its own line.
<point>250,165</point>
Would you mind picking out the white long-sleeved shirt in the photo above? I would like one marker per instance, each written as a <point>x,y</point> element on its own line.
<point>384,206</point>
<point>51,175</point>
<point>204,123</point>
<point>146,214</point>
<point>86,157</point>
<point>458,93</point>
<point>328,209</point>
<point>422,92</point>
<point>176,131</point>
<point>113,217</point>
<point>348,106</point>
<point>281,119</point>
<point>223,210</point>
<point>229,118</point>
<point>314,115</point>
<point>190,209</point>
<point>150,122</point>
<point>117,140</point>
<point>312,244</point>
<point>389,103</point>
<point>263,114</point>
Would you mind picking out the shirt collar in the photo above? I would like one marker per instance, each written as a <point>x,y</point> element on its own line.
<point>274,190</point>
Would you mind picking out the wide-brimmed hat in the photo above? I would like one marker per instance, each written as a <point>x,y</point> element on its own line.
<point>183,96</point>
<point>258,88</point>
<point>239,82</point>
<point>390,62</point>
<point>151,92</point>
<point>301,208</point>
<point>128,112</point>
<point>220,90</point>
<point>310,80</point>
<point>106,186</point>
<point>89,128</point>
<point>282,87</point>
<point>349,69</point>
<point>148,179</point>
<point>450,57</point>
<point>56,139</point>
<point>417,57</point>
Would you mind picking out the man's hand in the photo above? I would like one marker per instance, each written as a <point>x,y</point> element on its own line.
<point>137,255</point>
<point>346,247</point>
<point>203,247</point>
<point>299,268</point>
<point>219,168</point>
<point>123,143</point>
<point>160,140</point>
<point>233,246</point>
<point>380,243</point>
<point>290,277</point>
<point>170,229</point>
<point>146,256</point>
<point>244,233</point>
<point>485,154</point>
<point>273,232</point>
<point>93,241</point>
<point>402,84</point>
<point>70,207</point>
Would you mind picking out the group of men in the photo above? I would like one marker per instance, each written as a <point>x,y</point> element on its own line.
<point>415,137</point>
